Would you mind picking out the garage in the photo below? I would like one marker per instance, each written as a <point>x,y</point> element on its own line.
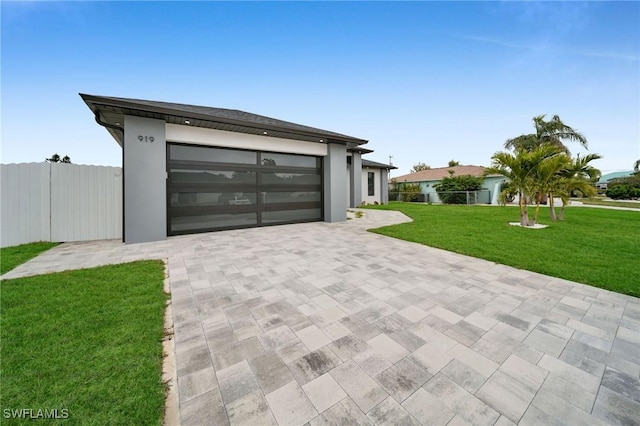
<point>190,169</point>
<point>211,189</point>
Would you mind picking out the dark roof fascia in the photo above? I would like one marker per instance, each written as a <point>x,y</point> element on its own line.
<point>360,150</point>
<point>376,165</point>
<point>94,102</point>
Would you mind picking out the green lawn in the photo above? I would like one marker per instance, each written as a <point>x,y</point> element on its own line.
<point>598,247</point>
<point>10,257</point>
<point>610,203</point>
<point>87,343</point>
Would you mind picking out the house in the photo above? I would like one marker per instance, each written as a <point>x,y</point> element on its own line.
<point>605,179</point>
<point>190,169</point>
<point>429,178</point>
<point>374,184</point>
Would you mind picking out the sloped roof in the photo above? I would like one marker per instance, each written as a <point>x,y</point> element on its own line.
<point>615,175</point>
<point>439,173</point>
<point>111,110</point>
<point>376,165</point>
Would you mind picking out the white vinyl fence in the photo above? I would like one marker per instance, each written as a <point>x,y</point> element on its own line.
<point>59,202</point>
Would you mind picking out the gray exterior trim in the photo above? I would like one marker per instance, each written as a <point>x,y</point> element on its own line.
<point>145,186</point>
<point>384,186</point>
<point>355,180</point>
<point>335,190</point>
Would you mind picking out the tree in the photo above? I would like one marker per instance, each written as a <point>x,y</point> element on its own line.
<point>420,167</point>
<point>636,166</point>
<point>553,132</point>
<point>626,187</point>
<point>521,167</point>
<point>55,158</point>
<point>410,191</point>
<point>547,175</point>
<point>453,163</point>
<point>453,189</point>
<point>579,176</point>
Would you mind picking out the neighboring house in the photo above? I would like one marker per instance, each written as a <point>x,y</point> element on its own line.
<point>429,178</point>
<point>604,179</point>
<point>190,169</point>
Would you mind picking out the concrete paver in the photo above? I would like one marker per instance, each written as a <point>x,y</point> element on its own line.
<point>328,324</point>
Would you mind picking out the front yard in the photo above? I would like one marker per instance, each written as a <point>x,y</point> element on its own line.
<point>84,345</point>
<point>599,247</point>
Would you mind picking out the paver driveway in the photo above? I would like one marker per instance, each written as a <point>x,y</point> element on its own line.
<point>328,324</point>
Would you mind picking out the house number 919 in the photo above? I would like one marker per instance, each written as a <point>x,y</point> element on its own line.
<point>148,139</point>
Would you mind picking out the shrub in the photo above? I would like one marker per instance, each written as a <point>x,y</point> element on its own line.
<point>394,190</point>
<point>620,192</point>
<point>410,191</point>
<point>448,187</point>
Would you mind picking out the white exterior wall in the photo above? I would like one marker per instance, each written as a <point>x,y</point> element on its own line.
<point>211,137</point>
<point>370,199</point>
<point>59,202</point>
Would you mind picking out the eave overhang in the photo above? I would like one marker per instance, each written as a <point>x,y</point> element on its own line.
<point>112,111</point>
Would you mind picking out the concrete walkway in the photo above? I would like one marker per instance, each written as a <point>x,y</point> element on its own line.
<point>328,324</point>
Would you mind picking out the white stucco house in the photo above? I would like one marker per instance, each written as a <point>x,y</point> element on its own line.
<point>375,182</point>
<point>190,169</point>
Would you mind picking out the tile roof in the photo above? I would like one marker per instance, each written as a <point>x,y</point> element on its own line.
<point>439,173</point>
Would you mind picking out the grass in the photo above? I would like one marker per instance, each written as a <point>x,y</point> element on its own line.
<point>598,247</point>
<point>87,341</point>
<point>10,257</point>
<point>610,203</point>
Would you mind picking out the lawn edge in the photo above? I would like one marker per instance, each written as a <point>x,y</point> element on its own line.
<point>169,369</point>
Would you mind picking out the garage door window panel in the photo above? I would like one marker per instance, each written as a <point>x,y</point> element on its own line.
<point>211,155</point>
<point>274,197</point>
<point>189,224</point>
<point>288,160</point>
<point>297,215</point>
<point>279,178</point>
<point>192,198</point>
<point>212,176</point>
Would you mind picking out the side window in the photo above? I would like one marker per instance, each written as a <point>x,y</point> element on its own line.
<point>370,183</point>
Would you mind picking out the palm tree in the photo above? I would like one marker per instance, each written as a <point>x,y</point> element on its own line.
<point>547,176</point>
<point>579,176</point>
<point>553,132</point>
<point>521,168</point>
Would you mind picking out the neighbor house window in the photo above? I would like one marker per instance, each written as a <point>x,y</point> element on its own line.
<point>370,183</point>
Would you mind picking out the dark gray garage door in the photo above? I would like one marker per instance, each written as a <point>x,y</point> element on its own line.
<point>210,189</point>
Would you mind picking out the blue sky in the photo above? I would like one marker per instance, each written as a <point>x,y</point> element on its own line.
<point>422,81</point>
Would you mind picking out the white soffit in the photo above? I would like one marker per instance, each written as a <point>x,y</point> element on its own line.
<point>211,137</point>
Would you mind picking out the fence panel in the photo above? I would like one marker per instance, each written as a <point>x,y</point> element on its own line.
<point>86,202</point>
<point>59,202</point>
<point>24,203</point>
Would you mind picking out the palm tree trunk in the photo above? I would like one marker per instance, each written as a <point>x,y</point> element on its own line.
<point>552,207</point>
<point>561,217</point>
<point>524,214</point>
<point>535,214</point>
